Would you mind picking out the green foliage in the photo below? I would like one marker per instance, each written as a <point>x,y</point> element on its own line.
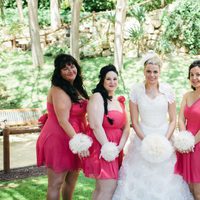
<point>150,5</point>
<point>182,26</point>
<point>12,3</point>
<point>22,85</point>
<point>44,4</point>
<point>65,15</point>
<point>138,12</point>
<point>55,49</point>
<point>136,33</point>
<point>15,28</point>
<point>98,5</point>
<point>9,21</point>
<point>44,17</point>
<point>164,46</point>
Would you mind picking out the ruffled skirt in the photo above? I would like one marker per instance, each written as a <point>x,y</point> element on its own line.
<point>142,180</point>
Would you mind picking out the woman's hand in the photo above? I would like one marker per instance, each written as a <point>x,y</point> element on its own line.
<point>84,154</point>
<point>187,151</point>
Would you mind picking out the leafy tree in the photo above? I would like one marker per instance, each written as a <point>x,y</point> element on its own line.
<point>136,33</point>
<point>98,5</point>
<point>150,5</point>
<point>182,26</point>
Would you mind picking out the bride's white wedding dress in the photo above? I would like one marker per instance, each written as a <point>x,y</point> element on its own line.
<point>140,179</point>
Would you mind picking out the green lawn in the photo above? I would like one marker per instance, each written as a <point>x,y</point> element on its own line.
<point>35,189</point>
<point>22,85</point>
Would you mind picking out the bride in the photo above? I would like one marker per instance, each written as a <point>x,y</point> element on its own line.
<point>151,102</point>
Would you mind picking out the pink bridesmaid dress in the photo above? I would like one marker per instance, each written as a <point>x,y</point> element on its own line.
<point>52,146</point>
<point>188,164</point>
<point>96,167</point>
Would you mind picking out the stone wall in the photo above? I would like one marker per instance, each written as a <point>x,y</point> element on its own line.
<point>97,36</point>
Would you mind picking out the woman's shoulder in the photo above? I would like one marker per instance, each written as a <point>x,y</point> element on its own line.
<point>188,94</point>
<point>137,85</point>
<point>137,88</point>
<point>96,97</point>
<point>167,90</point>
<point>58,93</point>
<point>165,86</point>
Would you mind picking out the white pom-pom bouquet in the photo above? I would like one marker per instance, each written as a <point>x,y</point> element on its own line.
<point>109,151</point>
<point>184,141</point>
<point>156,148</point>
<point>80,142</point>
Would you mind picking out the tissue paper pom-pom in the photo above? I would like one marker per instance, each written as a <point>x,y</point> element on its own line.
<point>80,142</point>
<point>109,151</point>
<point>183,141</point>
<point>156,148</point>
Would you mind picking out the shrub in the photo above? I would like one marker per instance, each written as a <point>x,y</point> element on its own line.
<point>182,26</point>
<point>151,5</point>
<point>98,5</point>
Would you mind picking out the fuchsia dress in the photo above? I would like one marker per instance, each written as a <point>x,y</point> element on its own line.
<point>188,164</point>
<point>53,143</point>
<point>95,167</point>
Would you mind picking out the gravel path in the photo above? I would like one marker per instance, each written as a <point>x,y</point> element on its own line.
<point>22,172</point>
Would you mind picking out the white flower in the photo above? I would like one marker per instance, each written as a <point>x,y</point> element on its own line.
<point>109,151</point>
<point>184,140</point>
<point>156,148</point>
<point>80,142</point>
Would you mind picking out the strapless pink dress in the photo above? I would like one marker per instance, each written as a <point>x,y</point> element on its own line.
<point>52,146</point>
<point>188,164</point>
<point>95,167</point>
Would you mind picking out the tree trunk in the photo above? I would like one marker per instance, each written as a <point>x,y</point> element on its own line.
<point>162,3</point>
<point>2,9</point>
<point>37,55</point>
<point>55,14</point>
<point>20,11</point>
<point>74,34</point>
<point>119,25</point>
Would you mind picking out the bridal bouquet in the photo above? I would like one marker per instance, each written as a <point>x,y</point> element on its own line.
<point>156,148</point>
<point>80,142</point>
<point>109,151</point>
<point>184,141</point>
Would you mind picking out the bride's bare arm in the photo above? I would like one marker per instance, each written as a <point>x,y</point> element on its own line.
<point>125,135</point>
<point>135,119</point>
<point>172,119</point>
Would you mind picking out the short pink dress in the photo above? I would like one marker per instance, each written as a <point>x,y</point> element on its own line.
<point>52,146</point>
<point>95,167</point>
<point>188,164</point>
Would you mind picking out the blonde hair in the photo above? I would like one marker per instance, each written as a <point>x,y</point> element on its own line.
<point>152,58</point>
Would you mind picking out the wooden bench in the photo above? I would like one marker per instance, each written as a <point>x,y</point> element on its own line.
<point>17,121</point>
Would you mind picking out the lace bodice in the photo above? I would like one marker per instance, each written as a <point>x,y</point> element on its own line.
<point>152,112</point>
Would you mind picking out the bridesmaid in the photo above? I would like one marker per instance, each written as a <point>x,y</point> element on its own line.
<point>109,129</point>
<point>66,105</point>
<point>188,164</point>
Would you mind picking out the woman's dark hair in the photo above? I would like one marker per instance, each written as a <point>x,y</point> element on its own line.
<point>60,62</point>
<point>196,63</point>
<point>100,88</point>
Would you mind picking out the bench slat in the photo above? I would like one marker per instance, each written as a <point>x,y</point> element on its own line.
<point>20,116</point>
